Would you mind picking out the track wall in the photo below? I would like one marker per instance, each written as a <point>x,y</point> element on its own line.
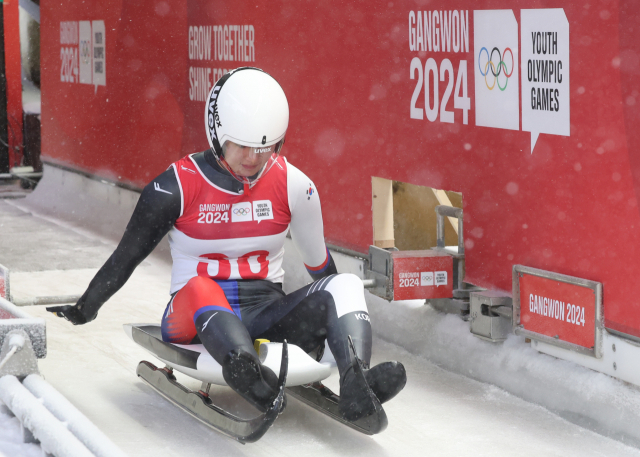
<point>567,202</point>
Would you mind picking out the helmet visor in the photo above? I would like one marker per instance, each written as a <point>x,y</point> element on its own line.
<point>249,163</point>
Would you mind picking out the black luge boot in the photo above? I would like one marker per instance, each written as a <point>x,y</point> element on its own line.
<point>255,382</point>
<point>358,403</point>
<point>386,380</point>
<point>356,398</point>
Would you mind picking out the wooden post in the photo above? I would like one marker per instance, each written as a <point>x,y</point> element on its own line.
<point>382,208</point>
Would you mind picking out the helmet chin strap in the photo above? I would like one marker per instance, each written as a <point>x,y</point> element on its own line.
<point>248,183</point>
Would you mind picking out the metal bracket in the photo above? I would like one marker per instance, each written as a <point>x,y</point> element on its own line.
<point>490,315</point>
<point>380,271</point>
<point>23,362</point>
<point>17,319</point>
<point>443,211</point>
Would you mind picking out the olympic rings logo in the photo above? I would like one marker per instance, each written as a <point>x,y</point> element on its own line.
<point>241,211</point>
<point>490,65</point>
<point>85,51</point>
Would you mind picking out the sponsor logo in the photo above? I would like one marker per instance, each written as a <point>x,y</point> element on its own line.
<point>426,278</point>
<point>262,210</point>
<point>261,150</point>
<point>187,169</point>
<point>156,186</point>
<point>441,278</point>
<point>207,323</point>
<point>214,117</point>
<point>241,212</point>
<point>494,67</point>
<point>214,207</point>
<point>363,317</point>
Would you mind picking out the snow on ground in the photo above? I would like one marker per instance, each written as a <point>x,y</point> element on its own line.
<point>464,397</point>
<point>11,444</point>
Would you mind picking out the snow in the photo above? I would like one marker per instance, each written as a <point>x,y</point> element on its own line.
<point>11,438</point>
<point>464,396</point>
<point>53,435</point>
<point>65,412</point>
<point>31,103</point>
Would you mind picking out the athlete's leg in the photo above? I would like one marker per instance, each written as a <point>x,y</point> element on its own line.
<point>201,308</point>
<point>334,308</point>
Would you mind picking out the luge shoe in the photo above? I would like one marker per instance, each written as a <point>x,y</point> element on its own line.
<point>357,400</point>
<point>386,380</point>
<point>254,382</point>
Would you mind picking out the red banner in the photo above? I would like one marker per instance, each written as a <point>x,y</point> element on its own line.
<point>566,312</point>
<point>422,276</point>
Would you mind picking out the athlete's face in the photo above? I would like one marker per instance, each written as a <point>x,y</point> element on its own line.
<point>246,161</point>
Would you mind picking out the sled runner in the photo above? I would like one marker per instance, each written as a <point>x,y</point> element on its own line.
<point>300,373</point>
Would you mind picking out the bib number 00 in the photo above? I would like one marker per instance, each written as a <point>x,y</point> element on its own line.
<point>224,266</point>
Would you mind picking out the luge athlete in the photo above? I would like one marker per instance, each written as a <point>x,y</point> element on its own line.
<point>227,211</point>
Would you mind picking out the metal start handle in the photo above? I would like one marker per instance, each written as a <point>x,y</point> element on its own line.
<point>443,211</point>
<point>369,283</point>
<point>47,300</point>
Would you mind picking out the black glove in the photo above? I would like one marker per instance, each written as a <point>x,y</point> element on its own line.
<point>72,313</point>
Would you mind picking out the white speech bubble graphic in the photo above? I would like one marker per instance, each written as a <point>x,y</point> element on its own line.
<point>262,210</point>
<point>495,38</point>
<point>544,35</point>
<point>441,278</point>
<point>98,52</point>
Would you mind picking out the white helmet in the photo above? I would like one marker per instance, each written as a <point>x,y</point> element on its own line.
<point>248,107</point>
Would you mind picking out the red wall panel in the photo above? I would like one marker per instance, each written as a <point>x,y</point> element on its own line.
<point>571,206</point>
<point>13,69</point>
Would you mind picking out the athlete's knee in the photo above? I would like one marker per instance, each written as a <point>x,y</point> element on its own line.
<point>200,282</point>
<point>350,280</point>
<point>348,293</point>
<point>200,287</point>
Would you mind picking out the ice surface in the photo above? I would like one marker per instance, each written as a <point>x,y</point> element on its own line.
<point>585,397</point>
<point>456,403</point>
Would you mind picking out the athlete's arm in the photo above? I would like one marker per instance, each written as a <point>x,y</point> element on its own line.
<point>157,210</point>
<point>307,231</point>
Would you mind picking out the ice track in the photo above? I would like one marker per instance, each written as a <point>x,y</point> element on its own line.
<point>440,413</point>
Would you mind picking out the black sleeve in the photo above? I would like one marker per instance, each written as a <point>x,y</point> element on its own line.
<point>157,210</point>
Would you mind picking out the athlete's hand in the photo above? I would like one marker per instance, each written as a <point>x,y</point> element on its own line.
<point>72,313</point>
